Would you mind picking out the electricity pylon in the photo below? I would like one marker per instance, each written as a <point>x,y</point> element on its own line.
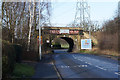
<point>82,16</point>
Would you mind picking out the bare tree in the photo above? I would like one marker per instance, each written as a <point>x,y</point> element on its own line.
<point>16,21</point>
<point>31,21</point>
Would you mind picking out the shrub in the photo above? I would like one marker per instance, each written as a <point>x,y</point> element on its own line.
<point>56,45</point>
<point>18,51</point>
<point>8,58</point>
<point>11,53</point>
<point>108,42</point>
<point>30,56</point>
<point>109,37</point>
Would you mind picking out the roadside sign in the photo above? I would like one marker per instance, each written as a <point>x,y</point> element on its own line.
<point>64,31</point>
<point>86,44</point>
<point>38,39</point>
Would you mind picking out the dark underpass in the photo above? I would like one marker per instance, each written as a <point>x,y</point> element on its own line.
<point>70,42</point>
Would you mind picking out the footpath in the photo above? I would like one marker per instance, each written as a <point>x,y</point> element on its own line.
<point>45,68</point>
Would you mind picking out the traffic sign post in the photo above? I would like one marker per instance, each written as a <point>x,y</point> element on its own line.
<point>39,40</point>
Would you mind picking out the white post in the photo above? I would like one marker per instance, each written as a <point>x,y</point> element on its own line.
<point>40,54</point>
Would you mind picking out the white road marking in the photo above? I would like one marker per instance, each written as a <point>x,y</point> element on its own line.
<point>74,66</point>
<point>117,73</point>
<point>68,66</point>
<point>85,65</point>
<point>89,63</point>
<point>97,66</point>
<point>65,66</point>
<point>62,66</point>
<point>86,62</point>
<point>104,69</point>
<point>101,68</point>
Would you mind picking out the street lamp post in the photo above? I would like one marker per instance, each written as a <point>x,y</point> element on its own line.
<point>40,54</point>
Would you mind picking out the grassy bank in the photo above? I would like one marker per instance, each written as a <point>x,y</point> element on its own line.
<point>96,51</point>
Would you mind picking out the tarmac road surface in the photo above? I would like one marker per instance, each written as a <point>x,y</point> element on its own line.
<point>77,65</point>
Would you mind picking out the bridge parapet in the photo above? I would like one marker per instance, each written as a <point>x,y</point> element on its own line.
<point>63,30</point>
<point>77,28</point>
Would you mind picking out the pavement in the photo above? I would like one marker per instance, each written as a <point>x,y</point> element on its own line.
<point>79,66</point>
<point>45,68</point>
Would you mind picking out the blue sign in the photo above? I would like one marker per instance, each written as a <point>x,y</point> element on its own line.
<point>86,44</point>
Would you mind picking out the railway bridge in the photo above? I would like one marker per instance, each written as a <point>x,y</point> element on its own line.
<point>72,35</point>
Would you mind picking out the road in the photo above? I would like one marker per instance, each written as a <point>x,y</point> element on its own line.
<point>77,65</point>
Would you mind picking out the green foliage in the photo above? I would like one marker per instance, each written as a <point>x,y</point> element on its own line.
<point>23,70</point>
<point>93,44</point>
<point>18,51</point>
<point>10,54</point>
<point>8,58</point>
<point>65,46</point>
<point>88,51</point>
<point>82,51</point>
<point>56,45</point>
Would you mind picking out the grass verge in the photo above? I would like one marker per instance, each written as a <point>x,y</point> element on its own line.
<point>23,70</point>
<point>106,53</point>
<point>88,51</point>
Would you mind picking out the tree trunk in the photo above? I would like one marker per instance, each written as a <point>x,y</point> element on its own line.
<point>30,24</point>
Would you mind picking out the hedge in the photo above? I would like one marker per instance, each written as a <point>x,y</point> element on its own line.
<point>8,58</point>
<point>10,55</point>
<point>18,52</point>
